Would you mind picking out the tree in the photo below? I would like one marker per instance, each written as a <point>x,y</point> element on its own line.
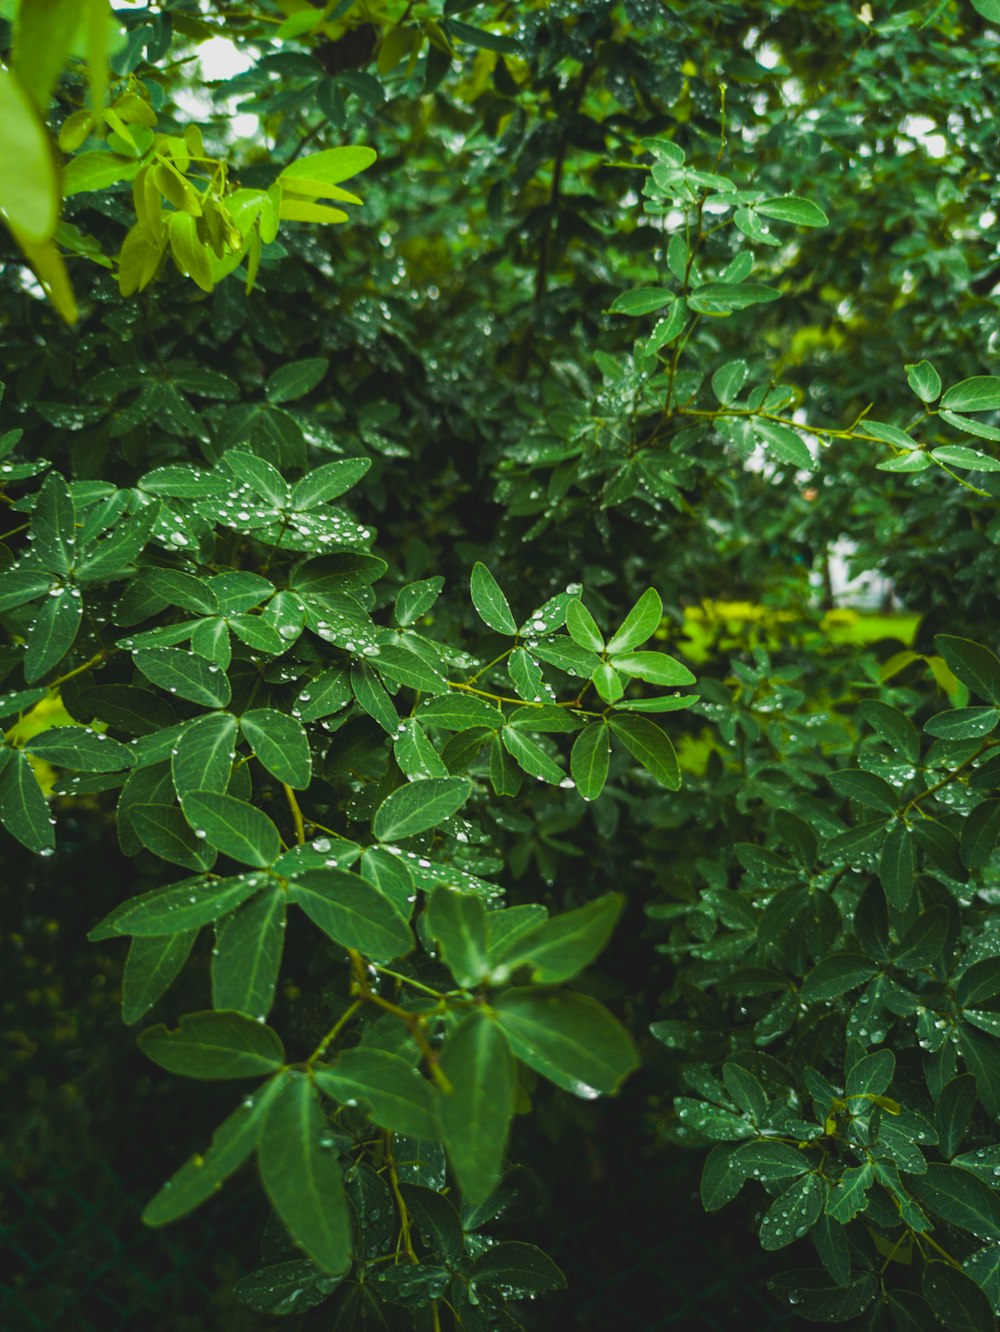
<point>616,342</point>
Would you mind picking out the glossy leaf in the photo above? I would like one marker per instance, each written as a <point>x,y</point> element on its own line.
<point>233,827</point>
<point>569,1038</point>
<point>391,1091</point>
<point>475,1115</point>
<point>214,1045</point>
<point>352,913</point>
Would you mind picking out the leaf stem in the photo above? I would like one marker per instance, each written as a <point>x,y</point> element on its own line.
<point>293,805</point>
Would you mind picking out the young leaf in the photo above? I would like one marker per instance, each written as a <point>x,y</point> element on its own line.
<point>975,665</point>
<point>303,1177</point>
<point>654,667</point>
<point>569,1038</point>
<point>583,627</point>
<point>981,393</point>
<point>639,624</point>
<point>924,380</point>
<point>233,827</point>
<point>475,1115</point>
<point>214,1045</point>
<point>791,208</point>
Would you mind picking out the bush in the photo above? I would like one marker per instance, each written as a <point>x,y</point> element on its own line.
<point>566,649</point>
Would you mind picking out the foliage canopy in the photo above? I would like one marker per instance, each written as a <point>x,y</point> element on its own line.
<point>444,569</point>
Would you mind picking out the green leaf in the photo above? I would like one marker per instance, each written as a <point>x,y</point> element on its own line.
<point>331,166</point>
<point>415,754</point>
<point>373,699</point>
<point>963,723</point>
<point>23,585</point>
<point>569,1038</point>
<point>721,1181</point>
<point>392,1093</point>
<point>979,983</point>
<point>182,906</point>
<point>654,667</point>
<point>924,380</point>
<point>960,455</point>
<point>975,665</point>
<point>302,1175</point>
<point>185,675</point>
<point>436,1219</point>
<point>560,948</point>
<point>53,525</point>
<point>607,682</point>
<point>24,811</point>
<point>246,959</point>
<point>958,1197</point>
<point>295,380</point>
<point>233,827</point>
<point>458,712</point>
<point>729,379</point>
<point>182,589</point>
<point>280,743</point>
<point>490,603</point>
<point>745,1090</point>
<point>783,443</point>
<point>952,1113</point>
<point>80,748</point>
<point>531,757</point>
<point>896,866</point>
<point>791,208</point>
<point>475,1115</point>
<point>639,624</point>
<point>214,1045</point>
<point>328,482</point>
<point>910,462</point>
<point>836,975</point>
<point>983,1267</point>
<point>328,693</point>
<point>457,921</point>
<point>651,746</point>
<point>711,1121</point>
<point>980,833</point>
<point>872,1074</point>
<point>981,393</point>
<point>152,965</point>
<point>200,1177</point>
<point>865,788</point>
<point>164,831</point>
<point>894,727</point>
<point>641,301</point>
<point>821,1299</point>
<point>583,628</point>
<point>970,426</point>
<point>505,775</point>
<point>202,759</point>
<point>415,599</point>
<point>517,1270</point>
<point>406,668</point>
<point>29,191</point>
<point>418,806</point>
<point>353,913</point>
<point>955,1299</point>
<point>723,298</point>
<point>589,760</point>
<point>53,632</point>
<point>296,1285</point>
<point>793,1213</point>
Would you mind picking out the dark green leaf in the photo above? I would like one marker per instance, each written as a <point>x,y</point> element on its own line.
<point>896,866</point>
<point>589,760</point>
<point>418,806</point>
<point>793,1213</point>
<point>955,1299</point>
<point>184,674</point>
<point>569,1038</point>
<point>150,968</point>
<point>296,379</point>
<point>490,602</point>
<point>352,913</point>
<point>457,921</point>
<point>303,1177</point>
<point>233,827</point>
<point>214,1045</point>
<point>518,1270</point>
<point>651,746</point>
<point>53,632</point>
<point>975,665</point>
<point>280,744</point>
<point>817,1297</point>
<point>24,811</point>
<point>561,947</point>
<point>246,959</point>
<point>391,1091</point>
<point>475,1115</point>
<point>166,832</point>
<point>203,757</point>
<point>960,1198</point>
